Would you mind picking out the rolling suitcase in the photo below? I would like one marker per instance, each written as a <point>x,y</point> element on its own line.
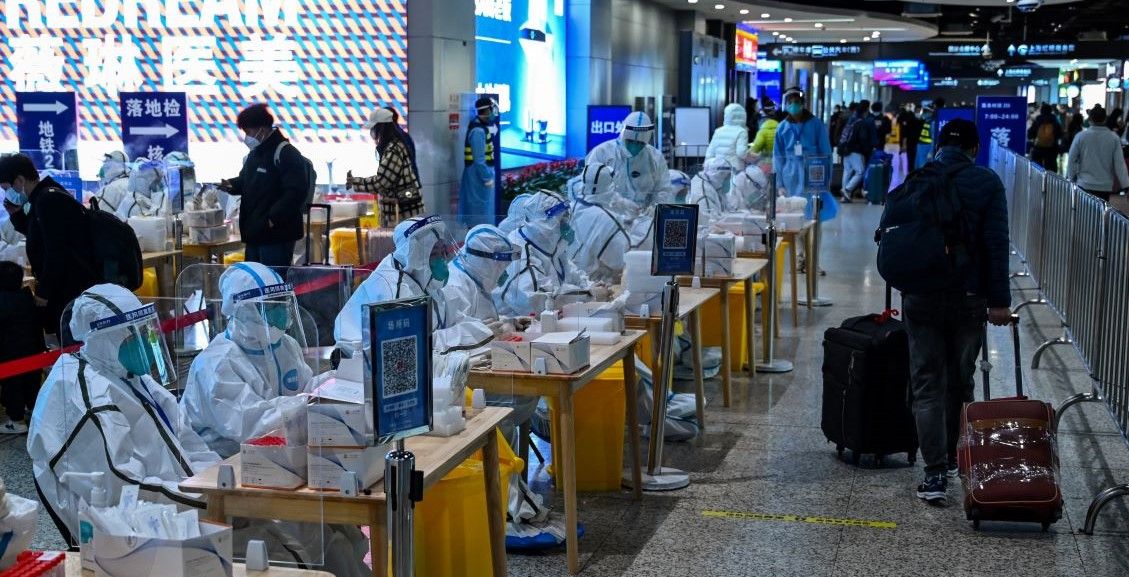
<point>1006,454</point>
<point>321,289</point>
<point>866,387</point>
<point>877,178</point>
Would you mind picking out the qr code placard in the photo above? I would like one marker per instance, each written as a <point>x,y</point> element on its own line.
<point>676,233</point>
<point>398,366</point>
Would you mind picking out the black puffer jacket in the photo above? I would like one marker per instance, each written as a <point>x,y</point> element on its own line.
<point>22,335</point>
<point>274,196</point>
<point>984,207</point>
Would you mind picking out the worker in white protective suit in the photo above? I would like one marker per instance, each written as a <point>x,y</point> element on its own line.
<point>749,189</point>
<point>731,140</point>
<point>147,192</point>
<point>641,229</point>
<point>709,189</point>
<point>249,382</point>
<point>515,214</point>
<point>113,182</point>
<point>544,276</point>
<point>416,267</point>
<point>640,169</point>
<point>599,251</point>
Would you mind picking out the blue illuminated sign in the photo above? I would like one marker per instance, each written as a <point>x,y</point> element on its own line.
<point>946,114</point>
<point>1003,119</point>
<point>47,124</point>
<point>676,239</point>
<point>605,122</point>
<point>397,340</point>
<point>768,78</point>
<point>154,124</point>
<point>520,56</point>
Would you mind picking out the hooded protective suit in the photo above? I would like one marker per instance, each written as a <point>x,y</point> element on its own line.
<point>749,189</point>
<point>709,189</point>
<point>640,169</point>
<point>113,182</point>
<point>543,273</point>
<point>515,214</point>
<point>146,193</point>
<point>11,241</point>
<point>93,415</point>
<point>476,190</point>
<point>475,272</point>
<point>422,250</point>
<point>604,240</point>
<point>247,381</point>
<point>731,140</point>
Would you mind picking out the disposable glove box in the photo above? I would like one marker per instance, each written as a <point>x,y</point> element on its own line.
<point>326,464</point>
<point>208,235</point>
<point>207,218</point>
<point>340,424</point>
<point>267,462</point>
<point>564,353</point>
<point>151,232</point>
<point>511,352</point>
<point>208,555</point>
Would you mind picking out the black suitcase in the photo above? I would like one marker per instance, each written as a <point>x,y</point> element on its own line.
<point>866,387</point>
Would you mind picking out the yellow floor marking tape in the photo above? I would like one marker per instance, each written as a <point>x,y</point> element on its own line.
<point>800,519</point>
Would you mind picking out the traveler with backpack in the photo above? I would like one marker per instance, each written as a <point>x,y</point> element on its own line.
<point>1045,135</point>
<point>856,143</point>
<point>943,242</point>
<point>59,239</point>
<point>882,125</point>
<point>275,184</point>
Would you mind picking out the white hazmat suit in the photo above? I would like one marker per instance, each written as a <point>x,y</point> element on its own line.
<point>603,240</point>
<point>709,189</point>
<point>640,169</point>
<point>147,193</point>
<point>113,182</point>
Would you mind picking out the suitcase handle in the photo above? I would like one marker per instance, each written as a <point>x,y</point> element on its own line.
<point>309,226</point>
<point>986,366</point>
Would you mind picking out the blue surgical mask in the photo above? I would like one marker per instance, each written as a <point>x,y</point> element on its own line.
<point>13,196</point>
<point>134,356</point>
<point>251,142</point>
<point>439,270</point>
<point>794,108</point>
<point>634,146</point>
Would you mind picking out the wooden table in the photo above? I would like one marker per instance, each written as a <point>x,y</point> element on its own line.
<point>792,237</point>
<point>212,252</point>
<point>743,271</point>
<point>74,569</point>
<point>435,456</point>
<point>563,388</point>
<point>165,263</point>
<point>690,301</point>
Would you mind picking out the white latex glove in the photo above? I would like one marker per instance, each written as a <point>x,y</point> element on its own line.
<point>616,306</point>
<point>600,292</point>
<point>540,301</point>
<point>498,327</point>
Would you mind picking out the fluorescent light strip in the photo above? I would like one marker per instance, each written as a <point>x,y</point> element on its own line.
<point>803,21</point>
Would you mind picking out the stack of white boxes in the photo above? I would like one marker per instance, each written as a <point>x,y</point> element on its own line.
<point>341,436</point>
<point>276,460</point>
<point>205,226</point>
<point>719,254</point>
<point>646,291</point>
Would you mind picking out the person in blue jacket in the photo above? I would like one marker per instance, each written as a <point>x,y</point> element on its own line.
<point>800,134</point>
<point>476,191</point>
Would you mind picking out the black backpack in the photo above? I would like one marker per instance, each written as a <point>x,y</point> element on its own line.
<point>849,136</point>
<point>921,237</point>
<point>311,173</point>
<point>115,247</point>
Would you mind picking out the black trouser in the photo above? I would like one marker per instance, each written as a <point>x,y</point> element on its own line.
<point>18,393</point>
<point>1046,158</point>
<point>946,332</point>
<point>911,155</point>
<point>274,255</point>
<point>1100,194</point>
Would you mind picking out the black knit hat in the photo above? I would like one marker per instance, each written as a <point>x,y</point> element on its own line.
<point>960,132</point>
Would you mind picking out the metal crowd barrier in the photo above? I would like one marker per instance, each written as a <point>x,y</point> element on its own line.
<point>1076,250</point>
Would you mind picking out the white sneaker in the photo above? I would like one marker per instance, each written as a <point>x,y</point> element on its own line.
<point>11,427</point>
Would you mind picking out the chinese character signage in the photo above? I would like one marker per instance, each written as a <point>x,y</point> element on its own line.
<point>322,64</point>
<point>154,124</point>
<point>1003,119</point>
<point>1056,49</point>
<point>746,48</point>
<point>605,122</point>
<point>397,342</point>
<point>47,124</point>
<point>676,239</point>
<point>520,56</point>
<point>815,51</point>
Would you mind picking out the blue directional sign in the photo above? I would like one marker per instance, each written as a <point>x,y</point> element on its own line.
<point>605,122</point>
<point>48,128</point>
<point>154,124</point>
<point>1003,119</point>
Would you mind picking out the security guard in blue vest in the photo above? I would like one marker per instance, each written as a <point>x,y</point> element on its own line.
<point>476,192</point>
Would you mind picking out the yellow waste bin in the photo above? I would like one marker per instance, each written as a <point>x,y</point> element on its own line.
<point>149,287</point>
<point>452,532</point>
<point>599,424</point>
<point>343,246</point>
<point>233,257</point>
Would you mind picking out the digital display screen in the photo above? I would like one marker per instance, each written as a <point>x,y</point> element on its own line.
<point>904,74</point>
<point>746,48</point>
<point>520,56</point>
<point>322,65</point>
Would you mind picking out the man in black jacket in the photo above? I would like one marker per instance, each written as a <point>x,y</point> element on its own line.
<point>946,327</point>
<point>274,186</point>
<point>58,236</point>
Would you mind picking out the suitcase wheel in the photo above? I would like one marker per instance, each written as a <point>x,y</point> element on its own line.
<point>1046,526</point>
<point>911,458</point>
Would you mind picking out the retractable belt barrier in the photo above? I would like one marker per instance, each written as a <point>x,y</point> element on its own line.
<point>44,360</point>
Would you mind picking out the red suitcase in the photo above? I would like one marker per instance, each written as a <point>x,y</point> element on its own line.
<point>1007,458</point>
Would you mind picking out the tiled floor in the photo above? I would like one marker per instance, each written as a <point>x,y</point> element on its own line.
<point>767,455</point>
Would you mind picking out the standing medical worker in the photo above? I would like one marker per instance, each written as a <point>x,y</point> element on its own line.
<point>800,134</point>
<point>476,191</point>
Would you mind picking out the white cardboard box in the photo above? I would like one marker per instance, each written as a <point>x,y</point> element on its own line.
<point>507,355</point>
<point>564,353</point>
<point>273,467</point>
<point>326,464</point>
<point>208,555</point>
<point>339,415</point>
<point>208,234</point>
<point>718,266</point>
<point>202,218</point>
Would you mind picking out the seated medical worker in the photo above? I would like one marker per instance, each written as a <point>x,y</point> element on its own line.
<point>147,192</point>
<point>599,250</point>
<point>640,169</point>
<point>710,187</point>
<point>749,189</point>
<point>113,182</point>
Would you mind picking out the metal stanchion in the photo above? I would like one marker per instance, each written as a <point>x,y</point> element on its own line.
<point>657,477</point>
<point>770,364</point>
<point>813,255</point>
<point>404,486</point>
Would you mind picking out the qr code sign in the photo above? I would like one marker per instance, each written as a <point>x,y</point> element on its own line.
<point>398,366</point>
<point>675,232</point>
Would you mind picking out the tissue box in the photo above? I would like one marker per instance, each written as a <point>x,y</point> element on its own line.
<point>272,466</point>
<point>790,221</point>
<point>719,245</point>
<point>609,320</point>
<point>326,464</point>
<point>344,209</point>
<point>511,355</point>
<point>208,234</point>
<point>208,555</point>
<point>564,353</point>
<point>206,218</point>
<point>340,424</point>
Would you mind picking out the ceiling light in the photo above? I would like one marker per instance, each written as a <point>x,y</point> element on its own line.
<point>866,38</point>
<point>876,34</point>
<point>766,15</point>
<point>819,25</point>
<point>1075,61</point>
<point>692,1</point>
<point>1010,1</point>
<point>775,33</point>
<point>787,19</point>
<point>744,11</point>
<point>719,6</point>
<point>842,41</point>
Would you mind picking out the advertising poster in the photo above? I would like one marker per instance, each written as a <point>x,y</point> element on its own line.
<point>746,48</point>
<point>321,64</point>
<point>397,339</point>
<point>1003,119</point>
<point>520,56</point>
<point>605,123</point>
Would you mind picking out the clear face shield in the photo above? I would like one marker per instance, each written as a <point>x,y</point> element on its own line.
<point>265,323</point>
<point>129,342</point>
